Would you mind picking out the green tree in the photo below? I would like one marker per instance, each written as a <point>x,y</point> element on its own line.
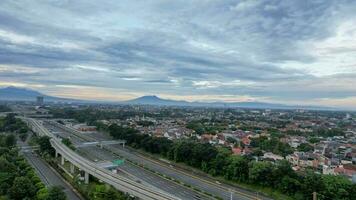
<point>231,140</point>
<point>314,140</point>
<point>56,193</point>
<point>68,143</point>
<point>22,188</point>
<point>42,194</point>
<point>237,169</point>
<point>10,140</point>
<point>260,173</point>
<point>45,145</point>
<point>337,188</point>
<point>99,192</point>
<point>217,165</point>
<point>289,185</point>
<point>305,147</point>
<point>102,192</point>
<point>312,182</point>
<point>23,136</point>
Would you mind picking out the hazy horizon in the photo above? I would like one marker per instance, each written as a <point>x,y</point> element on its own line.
<point>289,52</point>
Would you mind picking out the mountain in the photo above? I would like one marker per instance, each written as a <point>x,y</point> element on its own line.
<point>23,94</point>
<point>154,100</point>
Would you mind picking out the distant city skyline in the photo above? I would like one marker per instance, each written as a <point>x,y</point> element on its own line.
<point>291,52</point>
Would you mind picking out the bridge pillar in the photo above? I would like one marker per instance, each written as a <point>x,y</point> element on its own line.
<point>72,167</point>
<point>62,160</point>
<point>86,177</point>
<point>56,154</point>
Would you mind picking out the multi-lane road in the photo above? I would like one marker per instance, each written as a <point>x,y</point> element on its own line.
<point>112,152</point>
<point>119,182</point>
<point>47,174</point>
<point>96,154</point>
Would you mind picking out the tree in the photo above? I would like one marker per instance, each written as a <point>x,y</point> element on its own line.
<point>101,192</point>
<point>45,145</point>
<point>312,183</point>
<point>10,140</point>
<point>314,140</point>
<point>337,188</point>
<point>231,140</point>
<point>52,193</point>
<point>260,173</point>
<point>237,169</point>
<point>284,168</point>
<point>217,165</point>
<point>56,193</point>
<point>289,185</point>
<point>22,188</point>
<point>305,147</point>
<point>42,194</point>
<point>23,136</point>
<point>257,152</point>
<point>68,143</point>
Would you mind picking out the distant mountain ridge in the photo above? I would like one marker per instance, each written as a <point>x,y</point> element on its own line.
<point>154,100</point>
<point>23,94</point>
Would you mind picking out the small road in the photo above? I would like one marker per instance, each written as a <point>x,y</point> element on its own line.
<point>47,174</point>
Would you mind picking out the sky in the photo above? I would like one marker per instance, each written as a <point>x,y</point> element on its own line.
<point>294,52</point>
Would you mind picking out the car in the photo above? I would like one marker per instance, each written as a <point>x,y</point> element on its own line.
<point>197,197</point>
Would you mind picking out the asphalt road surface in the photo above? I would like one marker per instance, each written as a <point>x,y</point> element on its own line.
<point>198,182</point>
<point>47,175</point>
<point>98,155</point>
<point>202,183</point>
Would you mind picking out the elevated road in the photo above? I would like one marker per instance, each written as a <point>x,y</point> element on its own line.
<point>202,183</point>
<point>120,183</point>
<point>134,172</point>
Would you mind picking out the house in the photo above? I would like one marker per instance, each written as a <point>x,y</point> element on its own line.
<point>246,140</point>
<point>272,156</point>
<point>84,127</point>
<point>348,170</point>
<point>237,151</point>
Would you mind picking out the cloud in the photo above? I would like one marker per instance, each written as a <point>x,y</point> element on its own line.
<point>277,50</point>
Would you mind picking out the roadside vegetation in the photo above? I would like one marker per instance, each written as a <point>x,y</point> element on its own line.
<point>220,162</point>
<point>18,179</point>
<point>10,124</point>
<point>68,143</point>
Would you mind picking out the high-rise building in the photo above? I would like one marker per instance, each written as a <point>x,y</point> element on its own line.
<point>39,100</point>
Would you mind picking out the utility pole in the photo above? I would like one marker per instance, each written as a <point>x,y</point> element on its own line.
<point>230,194</point>
<point>314,196</point>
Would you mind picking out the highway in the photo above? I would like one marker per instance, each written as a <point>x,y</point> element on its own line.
<point>96,154</point>
<point>117,181</point>
<point>204,184</point>
<point>47,175</point>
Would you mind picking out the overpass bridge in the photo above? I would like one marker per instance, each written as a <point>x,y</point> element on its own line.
<point>102,143</point>
<point>90,168</point>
